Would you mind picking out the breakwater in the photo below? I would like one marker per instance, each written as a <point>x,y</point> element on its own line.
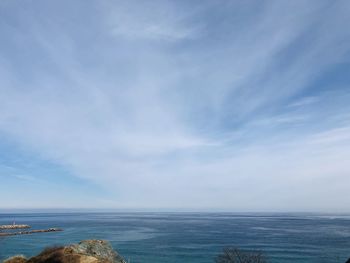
<point>30,232</point>
<point>9,227</point>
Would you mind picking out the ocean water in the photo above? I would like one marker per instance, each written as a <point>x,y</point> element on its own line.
<point>189,237</point>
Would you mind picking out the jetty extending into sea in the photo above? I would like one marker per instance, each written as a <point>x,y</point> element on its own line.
<point>31,232</point>
<point>14,226</point>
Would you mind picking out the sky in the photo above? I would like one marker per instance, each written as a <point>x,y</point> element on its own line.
<point>176,105</point>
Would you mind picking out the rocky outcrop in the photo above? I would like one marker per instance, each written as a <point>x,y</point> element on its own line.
<point>88,251</point>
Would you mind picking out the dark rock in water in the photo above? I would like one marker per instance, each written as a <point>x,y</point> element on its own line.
<point>348,261</point>
<point>87,251</point>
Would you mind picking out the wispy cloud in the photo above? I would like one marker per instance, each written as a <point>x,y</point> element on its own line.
<point>304,102</point>
<point>16,173</point>
<point>157,20</point>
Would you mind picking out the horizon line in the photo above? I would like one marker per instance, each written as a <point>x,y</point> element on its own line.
<point>162,210</point>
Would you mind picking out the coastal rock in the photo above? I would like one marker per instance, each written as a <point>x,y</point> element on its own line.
<point>87,251</point>
<point>98,248</point>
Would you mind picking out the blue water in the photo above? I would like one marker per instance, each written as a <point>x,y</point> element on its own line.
<point>189,237</point>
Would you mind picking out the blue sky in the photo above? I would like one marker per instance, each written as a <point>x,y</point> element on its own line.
<point>205,105</point>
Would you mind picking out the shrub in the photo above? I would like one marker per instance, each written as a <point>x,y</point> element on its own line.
<point>235,255</point>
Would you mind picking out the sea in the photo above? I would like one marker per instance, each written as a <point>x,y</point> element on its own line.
<point>188,237</point>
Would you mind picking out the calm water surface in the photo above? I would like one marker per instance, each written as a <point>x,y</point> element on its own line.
<point>189,237</point>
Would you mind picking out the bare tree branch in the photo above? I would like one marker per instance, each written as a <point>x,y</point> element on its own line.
<point>234,255</point>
